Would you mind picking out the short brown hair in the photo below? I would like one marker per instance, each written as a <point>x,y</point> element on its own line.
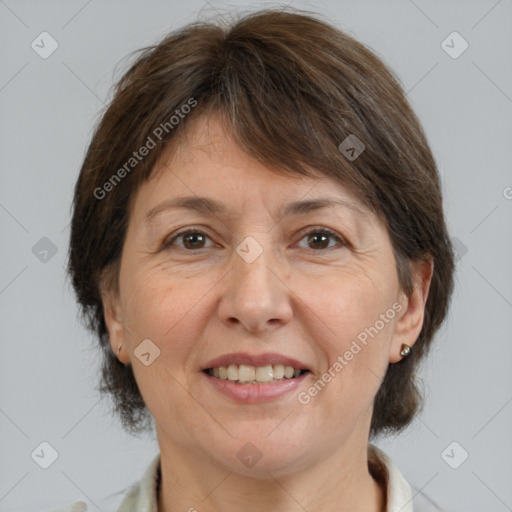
<point>290,88</point>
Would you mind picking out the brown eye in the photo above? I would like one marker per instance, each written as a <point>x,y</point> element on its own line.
<point>192,240</point>
<point>319,238</point>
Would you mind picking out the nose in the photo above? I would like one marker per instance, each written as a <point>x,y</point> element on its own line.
<point>256,297</point>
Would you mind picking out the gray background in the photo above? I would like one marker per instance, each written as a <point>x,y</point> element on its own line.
<point>49,363</point>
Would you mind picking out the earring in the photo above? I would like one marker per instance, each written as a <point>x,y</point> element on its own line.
<point>405,350</point>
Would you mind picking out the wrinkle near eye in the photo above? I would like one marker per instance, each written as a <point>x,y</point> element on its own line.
<point>357,233</point>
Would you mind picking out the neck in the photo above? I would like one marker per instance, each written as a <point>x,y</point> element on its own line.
<point>342,483</point>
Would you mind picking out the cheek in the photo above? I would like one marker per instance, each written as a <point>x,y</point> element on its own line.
<point>157,303</point>
<point>360,321</point>
<point>160,310</point>
<point>353,308</point>
<point>169,312</point>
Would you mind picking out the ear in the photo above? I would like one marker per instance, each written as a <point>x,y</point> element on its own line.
<point>113,318</point>
<point>409,320</point>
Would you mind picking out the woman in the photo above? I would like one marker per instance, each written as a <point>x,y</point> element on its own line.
<point>258,241</point>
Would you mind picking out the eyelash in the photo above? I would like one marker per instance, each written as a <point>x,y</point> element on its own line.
<point>194,231</point>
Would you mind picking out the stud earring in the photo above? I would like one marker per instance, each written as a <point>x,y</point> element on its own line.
<point>405,350</point>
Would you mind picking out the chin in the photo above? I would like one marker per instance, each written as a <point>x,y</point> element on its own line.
<point>263,453</point>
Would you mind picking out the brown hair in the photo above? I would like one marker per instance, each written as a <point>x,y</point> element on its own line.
<point>290,88</point>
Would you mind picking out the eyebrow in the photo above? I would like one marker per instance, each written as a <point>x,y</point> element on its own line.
<point>210,206</point>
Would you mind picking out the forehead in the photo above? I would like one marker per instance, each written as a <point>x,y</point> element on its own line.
<point>205,170</point>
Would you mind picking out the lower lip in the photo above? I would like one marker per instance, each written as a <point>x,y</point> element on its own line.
<point>255,393</point>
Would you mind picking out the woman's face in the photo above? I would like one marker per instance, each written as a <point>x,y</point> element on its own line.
<point>253,281</point>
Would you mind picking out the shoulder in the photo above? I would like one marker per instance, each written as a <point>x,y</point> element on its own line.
<point>400,495</point>
<point>130,502</point>
<point>422,503</point>
<point>141,496</point>
<point>77,506</point>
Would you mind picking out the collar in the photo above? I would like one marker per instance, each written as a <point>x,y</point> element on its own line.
<point>383,469</point>
<point>142,497</point>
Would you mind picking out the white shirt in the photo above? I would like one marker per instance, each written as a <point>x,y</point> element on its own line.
<point>142,496</point>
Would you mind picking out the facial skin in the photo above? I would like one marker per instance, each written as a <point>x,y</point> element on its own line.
<point>305,297</point>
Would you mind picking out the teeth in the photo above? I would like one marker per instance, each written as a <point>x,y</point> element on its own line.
<point>232,372</point>
<point>278,371</point>
<point>246,374</point>
<point>264,373</point>
<point>288,372</point>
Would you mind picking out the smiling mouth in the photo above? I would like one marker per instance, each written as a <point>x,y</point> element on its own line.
<point>246,374</point>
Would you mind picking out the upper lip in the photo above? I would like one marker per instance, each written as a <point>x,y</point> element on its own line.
<point>268,358</point>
